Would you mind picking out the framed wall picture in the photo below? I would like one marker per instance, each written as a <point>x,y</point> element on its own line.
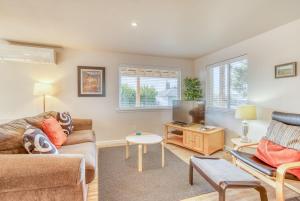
<point>91,81</point>
<point>286,70</point>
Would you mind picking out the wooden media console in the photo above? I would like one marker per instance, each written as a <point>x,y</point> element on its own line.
<point>195,137</point>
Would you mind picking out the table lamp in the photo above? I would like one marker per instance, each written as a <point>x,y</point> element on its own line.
<point>245,112</point>
<point>43,89</point>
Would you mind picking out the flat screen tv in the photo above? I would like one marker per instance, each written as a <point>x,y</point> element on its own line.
<point>188,112</point>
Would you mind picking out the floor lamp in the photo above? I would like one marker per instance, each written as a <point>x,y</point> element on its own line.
<point>43,89</point>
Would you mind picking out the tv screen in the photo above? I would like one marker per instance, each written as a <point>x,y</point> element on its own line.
<point>188,112</point>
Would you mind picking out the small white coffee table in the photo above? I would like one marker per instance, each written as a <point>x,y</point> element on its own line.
<point>144,140</point>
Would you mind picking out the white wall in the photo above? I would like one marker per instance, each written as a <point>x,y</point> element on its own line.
<point>264,51</point>
<point>278,46</point>
<point>17,100</point>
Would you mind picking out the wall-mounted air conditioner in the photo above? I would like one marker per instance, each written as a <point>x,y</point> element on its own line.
<point>27,54</point>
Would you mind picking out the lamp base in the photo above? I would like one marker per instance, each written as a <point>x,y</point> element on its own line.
<point>245,128</point>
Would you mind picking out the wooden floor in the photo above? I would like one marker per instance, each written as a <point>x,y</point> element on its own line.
<point>236,194</point>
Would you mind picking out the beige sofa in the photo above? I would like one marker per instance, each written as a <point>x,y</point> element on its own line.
<point>32,177</point>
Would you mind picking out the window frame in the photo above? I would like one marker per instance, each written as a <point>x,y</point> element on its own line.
<point>149,108</point>
<point>228,93</point>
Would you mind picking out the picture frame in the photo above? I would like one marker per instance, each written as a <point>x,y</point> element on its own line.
<point>286,70</point>
<point>91,81</point>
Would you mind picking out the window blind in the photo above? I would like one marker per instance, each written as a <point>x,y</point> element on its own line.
<point>227,85</point>
<point>145,72</point>
<point>148,88</point>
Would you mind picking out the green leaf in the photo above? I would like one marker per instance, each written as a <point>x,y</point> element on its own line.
<point>192,89</point>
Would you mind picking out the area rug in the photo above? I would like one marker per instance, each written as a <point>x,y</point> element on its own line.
<point>119,179</point>
<point>294,199</point>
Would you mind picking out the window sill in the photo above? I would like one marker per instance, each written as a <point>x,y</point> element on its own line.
<point>142,109</point>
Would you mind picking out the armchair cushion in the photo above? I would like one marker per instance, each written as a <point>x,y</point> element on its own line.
<point>254,162</point>
<point>11,137</point>
<point>37,120</point>
<point>54,131</point>
<point>284,135</point>
<point>276,155</point>
<point>81,136</point>
<point>82,124</point>
<point>65,120</point>
<point>37,142</point>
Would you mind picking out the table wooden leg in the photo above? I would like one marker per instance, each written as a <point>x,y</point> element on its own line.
<point>140,158</point>
<point>166,134</point>
<point>222,195</point>
<point>262,193</point>
<point>191,178</point>
<point>127,150</point>
<point>145,149</point>
<point>162,154</point>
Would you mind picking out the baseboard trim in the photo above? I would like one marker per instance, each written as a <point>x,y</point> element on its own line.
<point>111,143</point>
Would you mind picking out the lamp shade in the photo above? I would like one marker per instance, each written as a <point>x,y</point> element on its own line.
<point>42,89</point>
<point>246,112</point>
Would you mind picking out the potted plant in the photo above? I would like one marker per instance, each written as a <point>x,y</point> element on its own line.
<point>192,89</point>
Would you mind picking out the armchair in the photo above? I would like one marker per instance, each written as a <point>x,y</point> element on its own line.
<point>276,177</point>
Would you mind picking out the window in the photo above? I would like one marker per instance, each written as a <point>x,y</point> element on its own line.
<point>148,88</point>
<point>227,85</point>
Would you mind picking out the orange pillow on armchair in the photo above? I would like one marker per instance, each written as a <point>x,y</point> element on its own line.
<point>54,131</point>
<point>276,155</point>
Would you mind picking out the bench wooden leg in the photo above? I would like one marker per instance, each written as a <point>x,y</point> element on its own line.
<point>191,174</point>
<point>222,195</point>
<point>262,192</point>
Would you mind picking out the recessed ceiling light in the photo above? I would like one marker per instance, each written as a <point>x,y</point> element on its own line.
<point>134,24</point>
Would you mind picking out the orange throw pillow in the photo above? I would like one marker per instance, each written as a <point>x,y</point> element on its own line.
<point>54,131</point>
<point>276,155</point>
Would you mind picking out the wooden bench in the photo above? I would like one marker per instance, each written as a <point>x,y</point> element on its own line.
<point>222,175</point>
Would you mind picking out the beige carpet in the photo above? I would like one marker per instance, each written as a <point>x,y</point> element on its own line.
<point>294,199</point>
<point>119,179</point>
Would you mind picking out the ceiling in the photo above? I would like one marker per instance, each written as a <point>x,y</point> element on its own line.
<point>174,28</point>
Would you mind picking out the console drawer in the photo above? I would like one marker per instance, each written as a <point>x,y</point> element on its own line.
<point>193,140</point>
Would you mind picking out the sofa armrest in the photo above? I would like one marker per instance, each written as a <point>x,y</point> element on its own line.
<point>82,124</point>
<point>19,172</point>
